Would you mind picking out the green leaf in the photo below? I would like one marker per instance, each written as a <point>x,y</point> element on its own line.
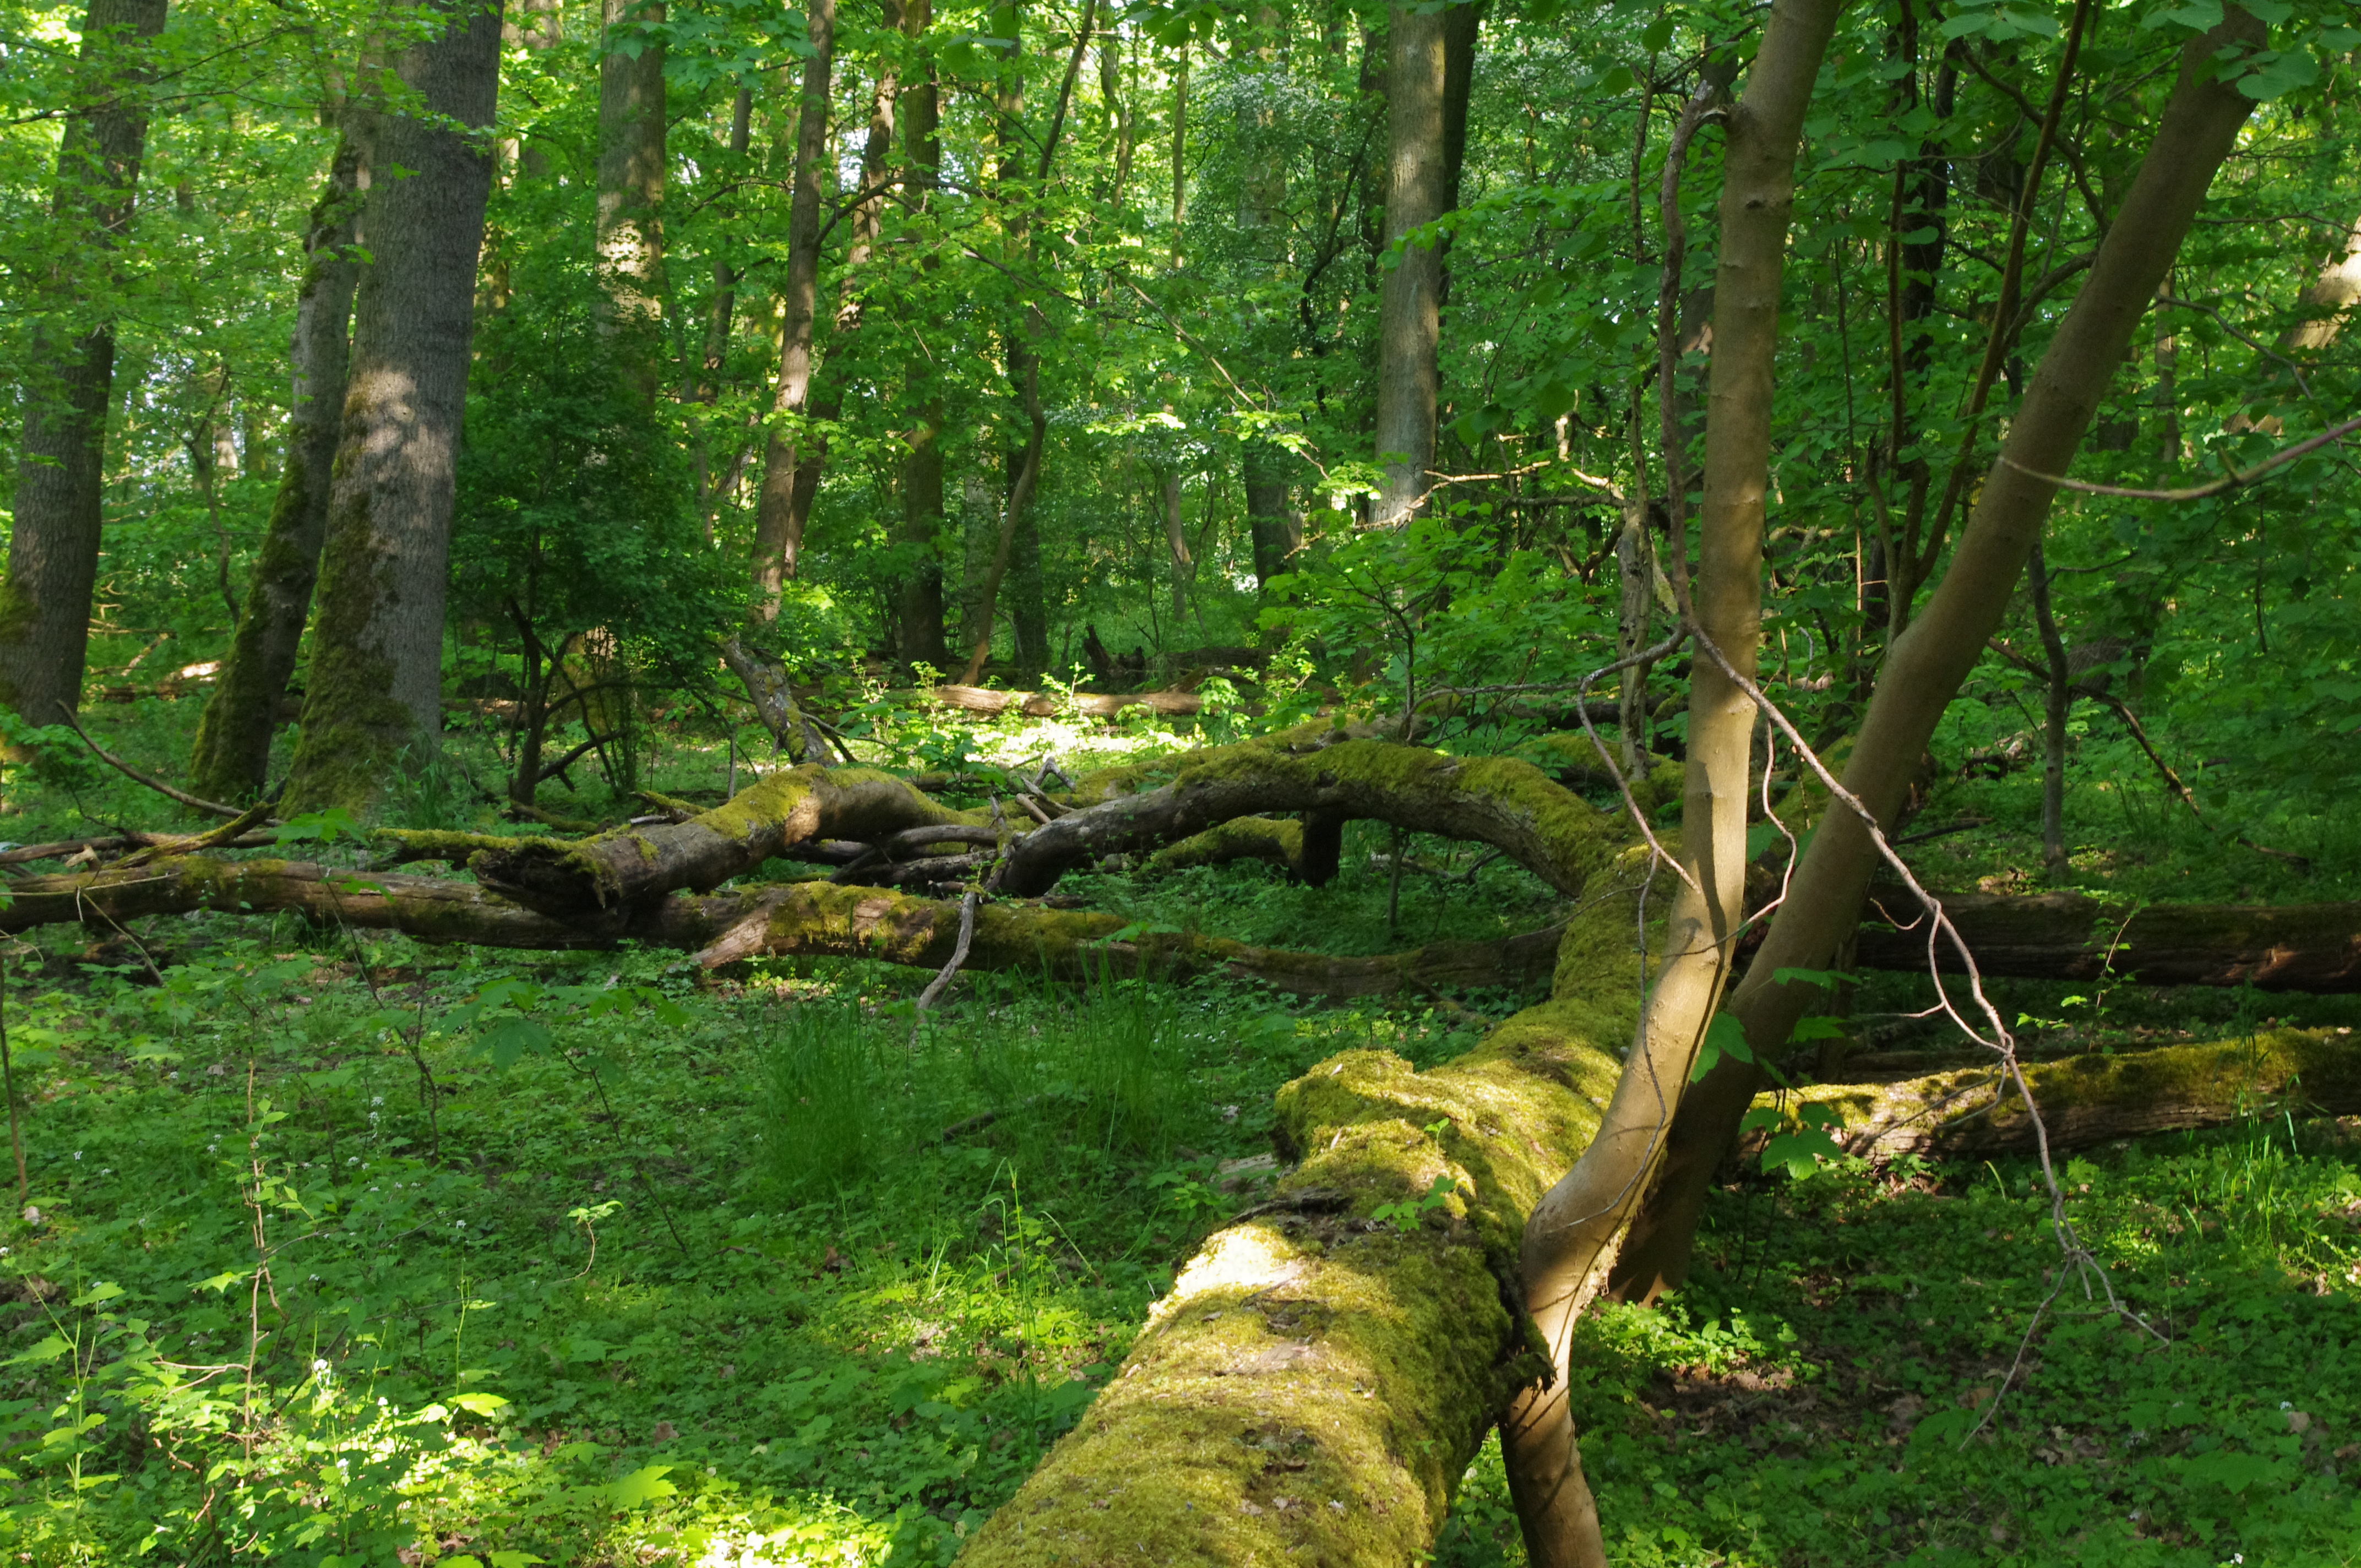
<point>642,1485</point>
<point>1723,1033</point>
<point>481,1404</point>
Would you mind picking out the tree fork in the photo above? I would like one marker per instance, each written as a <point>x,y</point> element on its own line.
<point>1926,663</point>
<point>1572,1234</point>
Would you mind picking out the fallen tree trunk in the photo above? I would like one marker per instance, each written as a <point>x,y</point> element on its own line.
<point>597,882</point>
<point>1050,705</point>
<point>2071,936</point>
<point>1317,1380</point>
<point>1501,800</point>
<point>2089,1100</point>
<point>812,919</point>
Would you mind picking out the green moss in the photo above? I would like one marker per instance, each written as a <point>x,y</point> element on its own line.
<point>1277,840</point>
<point>1316,1382</point>
<point>1966,1110</point>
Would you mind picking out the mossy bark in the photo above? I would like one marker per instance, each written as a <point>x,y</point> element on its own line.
<point>1965,1113</point>
<point>1317,1380</point>
<point>596,879</point>
<point>1511,805</point>
<point>375,689</point>
<point>233,745</point>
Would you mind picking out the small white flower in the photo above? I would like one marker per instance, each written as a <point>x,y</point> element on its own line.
<point>377,1099</point>
<point>462,1224</point>
<point>354,1160</point>
<point>319,1368</point>
<point>175,1076</point>
<point>77,1153</point>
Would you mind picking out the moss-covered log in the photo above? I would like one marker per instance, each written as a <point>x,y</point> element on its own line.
<point>813,919</point>
<point>1511,805</point>
<point>2093,1099</point>
<point>2071,936</point>
<point>597,882</point>
<point>1318,1379</point>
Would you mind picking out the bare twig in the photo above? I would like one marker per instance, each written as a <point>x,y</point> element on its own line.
<point>941,983</point>
<point>2229,481</point>
<point>136,776</point>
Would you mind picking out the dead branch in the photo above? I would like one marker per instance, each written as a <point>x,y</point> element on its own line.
<point>136,776</point>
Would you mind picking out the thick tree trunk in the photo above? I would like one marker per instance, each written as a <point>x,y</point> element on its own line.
<point>233,747</point>
<point>2328,298</point>
<point>1408,309</point>
<point>375,688</point>
<point>630,234</point>
<point>68,377</point>
<point>778,524</point>
<point>1925,665</point>
<point>1572,1234</point>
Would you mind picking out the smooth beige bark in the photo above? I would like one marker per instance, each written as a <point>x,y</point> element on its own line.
<point>2198,127</point>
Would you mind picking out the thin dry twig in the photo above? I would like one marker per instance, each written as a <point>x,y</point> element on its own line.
<point>2076,1253</point>
<point>2229,481</point>
<point>136,776</point>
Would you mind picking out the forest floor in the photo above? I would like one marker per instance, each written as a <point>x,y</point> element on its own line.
<point>582,1259</point>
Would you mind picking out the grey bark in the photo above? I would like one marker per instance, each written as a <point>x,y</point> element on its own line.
<point>631,177</point>
<point>777,525</point>
<point>69,377</point>
<point>1409,310</point>
<point>233,745</point>
<point>376,679</point>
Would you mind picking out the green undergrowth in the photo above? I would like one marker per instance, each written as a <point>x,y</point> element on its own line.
<point>1814,1396</point>
<point>567,1260</point>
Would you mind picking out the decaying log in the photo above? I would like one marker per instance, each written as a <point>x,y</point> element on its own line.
<point>1314,1383</point>
<point>597,882</point>
<point>1510,805</point>
<point>2071,936</point>
<point>811,919</point>
<point>2093,1099</point>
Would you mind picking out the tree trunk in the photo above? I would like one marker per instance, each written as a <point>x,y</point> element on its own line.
<point>374,694</point>
<point>777,525</point>
<point>725,280</point>
<point>1179,151</point>
<point>1409,310</point>
<point>2328,298</point>
<point>631,184</point>
<point>69,376</point>
<point>233,748</point>
<point>918,596</point>
<point>2057,702</point>
<point>1176,545</point>
<point>1925,665</point>
<point>1271,523</point>
<point>1635,572</point>
<point>827,396</point>
<point>1573,1231</point>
